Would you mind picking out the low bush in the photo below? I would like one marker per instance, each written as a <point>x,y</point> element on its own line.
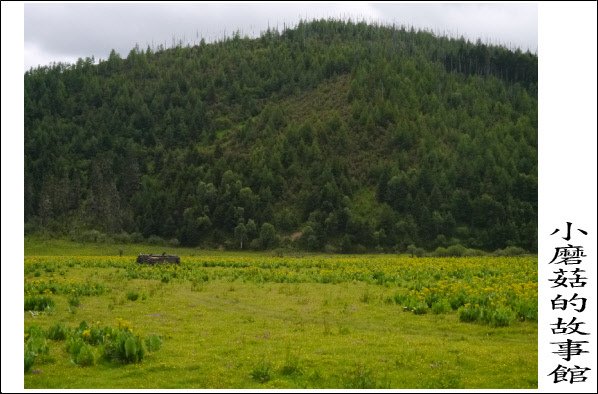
<point>500,317</point>
<point>125,348</point>
<point>74,301</point>
<point>291,366</point>
<point>153,343</point>
<point>510,251</point>
<point>497,317</point>
<point>132,295</point>
<point>29,359</point>
<point>81,352</point>
<point>38,303</point>
<point>137,238</point>
<point>457,250</point>
<point>440,252</point>
<point>58,332</point>
<point>441,306</point>
<point>421,308</point>
<point>262,372</point>
<point>525,310</point>
<point>155,240</point>
<point>470,313</point>
<point>92,236</point>
<point>85,357</point>
<point>122,238</point>
<point>361,377</point>
<point>36,346</point>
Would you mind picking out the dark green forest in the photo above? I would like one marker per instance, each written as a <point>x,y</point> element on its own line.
<point>331,135</point>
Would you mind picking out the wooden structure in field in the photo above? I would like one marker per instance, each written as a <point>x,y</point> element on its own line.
<point>158,258</point>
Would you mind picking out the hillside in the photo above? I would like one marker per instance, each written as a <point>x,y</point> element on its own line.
<point>331,135</point>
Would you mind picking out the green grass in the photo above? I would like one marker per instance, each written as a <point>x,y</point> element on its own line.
<point>231,321</point>
<point>38,246</point>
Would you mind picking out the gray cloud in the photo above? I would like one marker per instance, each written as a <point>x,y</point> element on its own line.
<point>65,32</point>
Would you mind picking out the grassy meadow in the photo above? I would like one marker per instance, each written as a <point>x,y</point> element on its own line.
<point>95,319</point>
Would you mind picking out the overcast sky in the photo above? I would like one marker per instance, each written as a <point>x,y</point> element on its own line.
<point>66,32</point>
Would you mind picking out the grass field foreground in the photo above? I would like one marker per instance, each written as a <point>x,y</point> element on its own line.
<point>233,320</point>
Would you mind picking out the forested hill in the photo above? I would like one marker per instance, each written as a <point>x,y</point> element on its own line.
<point>328,136</point>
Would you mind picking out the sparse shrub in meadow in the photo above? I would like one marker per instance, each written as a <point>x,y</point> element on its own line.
<point>83,326</point>
<point>97,336</point>
<point>400,298</point>
<point>58,332</point>
<point>70,289</point>
<point>153,343</point>
<point>406,300</point>
<point>74,344</point>
<point>497,317</point>
<point>262,372</point>
<point>431,297</point>
<point>291,366</point>
<point>421,308</point>
<point>343,330</point>
<point>197,285</point>
<point>132,273</point>
<point>115,344</point>
<point>81,353</point>
<point>501,317</point>
<point>458,300</point>
<point>441,306</point>
<point>35,346</point>
<point>165,278</point>
<point>315,377</point>
<point>379,277</point>
<point>360,377</point>
<point>85,357</point>
<point>470,313</point>
<point>34,331</point>
<point>29,359</point>
<point>38,303</point>
<point>123,324</point>
<point>365,297</point>
<point>525,309</point>
<point>125,348</point>
<point>132,295</point>
<point>74,301</point>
